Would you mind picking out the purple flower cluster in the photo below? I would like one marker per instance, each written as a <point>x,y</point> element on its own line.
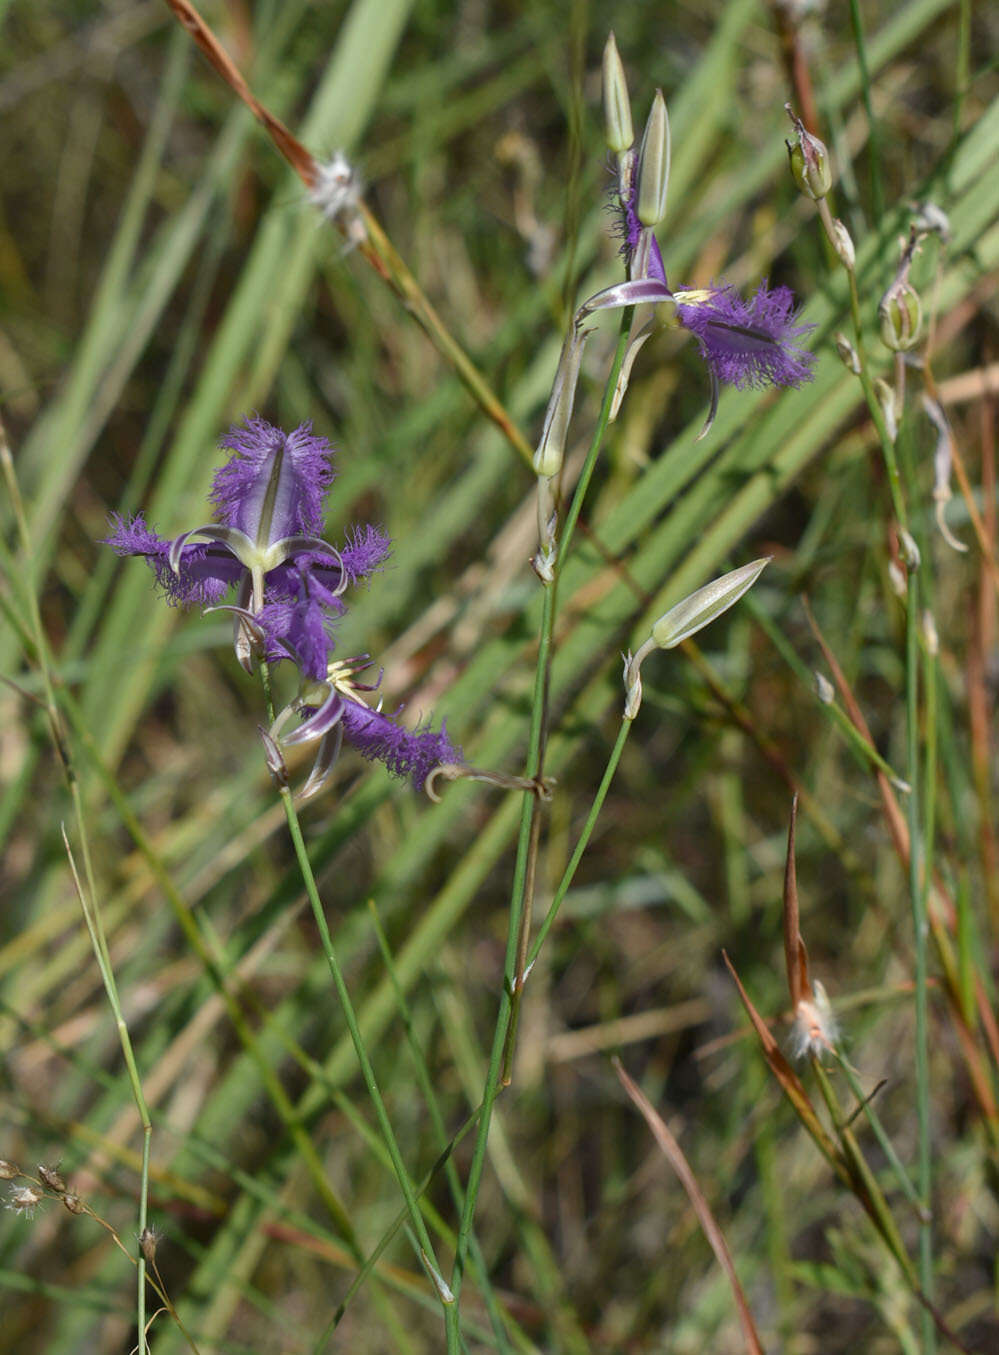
<point>744,343</point>
<point>269,499</point>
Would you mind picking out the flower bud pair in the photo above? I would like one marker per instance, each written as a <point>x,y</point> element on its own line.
<point>654,155</point>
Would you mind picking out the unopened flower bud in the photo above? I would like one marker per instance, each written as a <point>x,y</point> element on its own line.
<point>632,687</point>
<point>73,1203</point>
<point>617,105</point>
<point>809,161</point>
<point>886,399</point>
<point>908,550</point>
<point>703,606</point>
<point>847,353</point>
<point>551,448</point>
<point>653,164</point>
<point>7,1170</point>
<point>824,689</point>
<point>930,636</point>
<point>901,316</point>
<point>842,243</point>
<point>897,579</point>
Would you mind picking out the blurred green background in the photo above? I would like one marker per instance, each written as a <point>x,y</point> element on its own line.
<point>160,276</point>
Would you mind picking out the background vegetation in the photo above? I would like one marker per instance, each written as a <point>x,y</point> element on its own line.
<point>162,276</point>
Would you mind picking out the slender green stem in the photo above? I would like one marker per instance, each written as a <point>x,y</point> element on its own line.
<point>864,1101</point>
<point>425,1080</point>
<point>425,1248</point>
<point>521,895</point>
<point>591,820</point>
<point>88,894</point>
<point>918,900</point>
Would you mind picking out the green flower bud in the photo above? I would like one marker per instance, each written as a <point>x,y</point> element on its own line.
<point>702,607</point>
<point>653,164</point>
<point>901,316</point>
<point>617,105</point>
<point>847,353</point>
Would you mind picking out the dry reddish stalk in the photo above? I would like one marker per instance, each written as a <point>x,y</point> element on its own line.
<point>790,1083</point>
<point>795,955</point>
<point>942,919</point>
<point>674,1155</point>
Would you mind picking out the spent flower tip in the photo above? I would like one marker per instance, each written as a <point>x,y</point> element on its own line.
<point>900,310</point>
<point>847,353</point>
<point>809,159</point>
<point>842,243</point>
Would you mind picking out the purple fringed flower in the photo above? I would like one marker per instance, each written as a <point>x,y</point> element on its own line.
<point>336,710</point>
<point>638,243</point>
<point>275,484</point>
<point>203,575</point>
<point>749,343</point>
<point>378,738</point>
<point>745,343</point>
<point>269,496</point>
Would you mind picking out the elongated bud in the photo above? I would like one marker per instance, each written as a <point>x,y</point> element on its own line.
<point>824,688</point>
<point>886,399</point>
<point>702,607</point>
<point>930,637</point>
<point>847,353</point>
<point>653,164</point>
<point>686,619</point>
<point>842,243</point>
<point>551,449</point>
<point>908,550</point>
<point>617,105</point>
<point>809,159</point>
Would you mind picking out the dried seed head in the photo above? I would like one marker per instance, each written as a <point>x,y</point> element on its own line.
<point>336,192</point>
<point>148,1240</point>
<point>73,1203</point>
<point>52,1179</point>
<point>815,1028</point>
<point>24,1200</point>
<point>7,1170</point>
<point>809,160</point>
